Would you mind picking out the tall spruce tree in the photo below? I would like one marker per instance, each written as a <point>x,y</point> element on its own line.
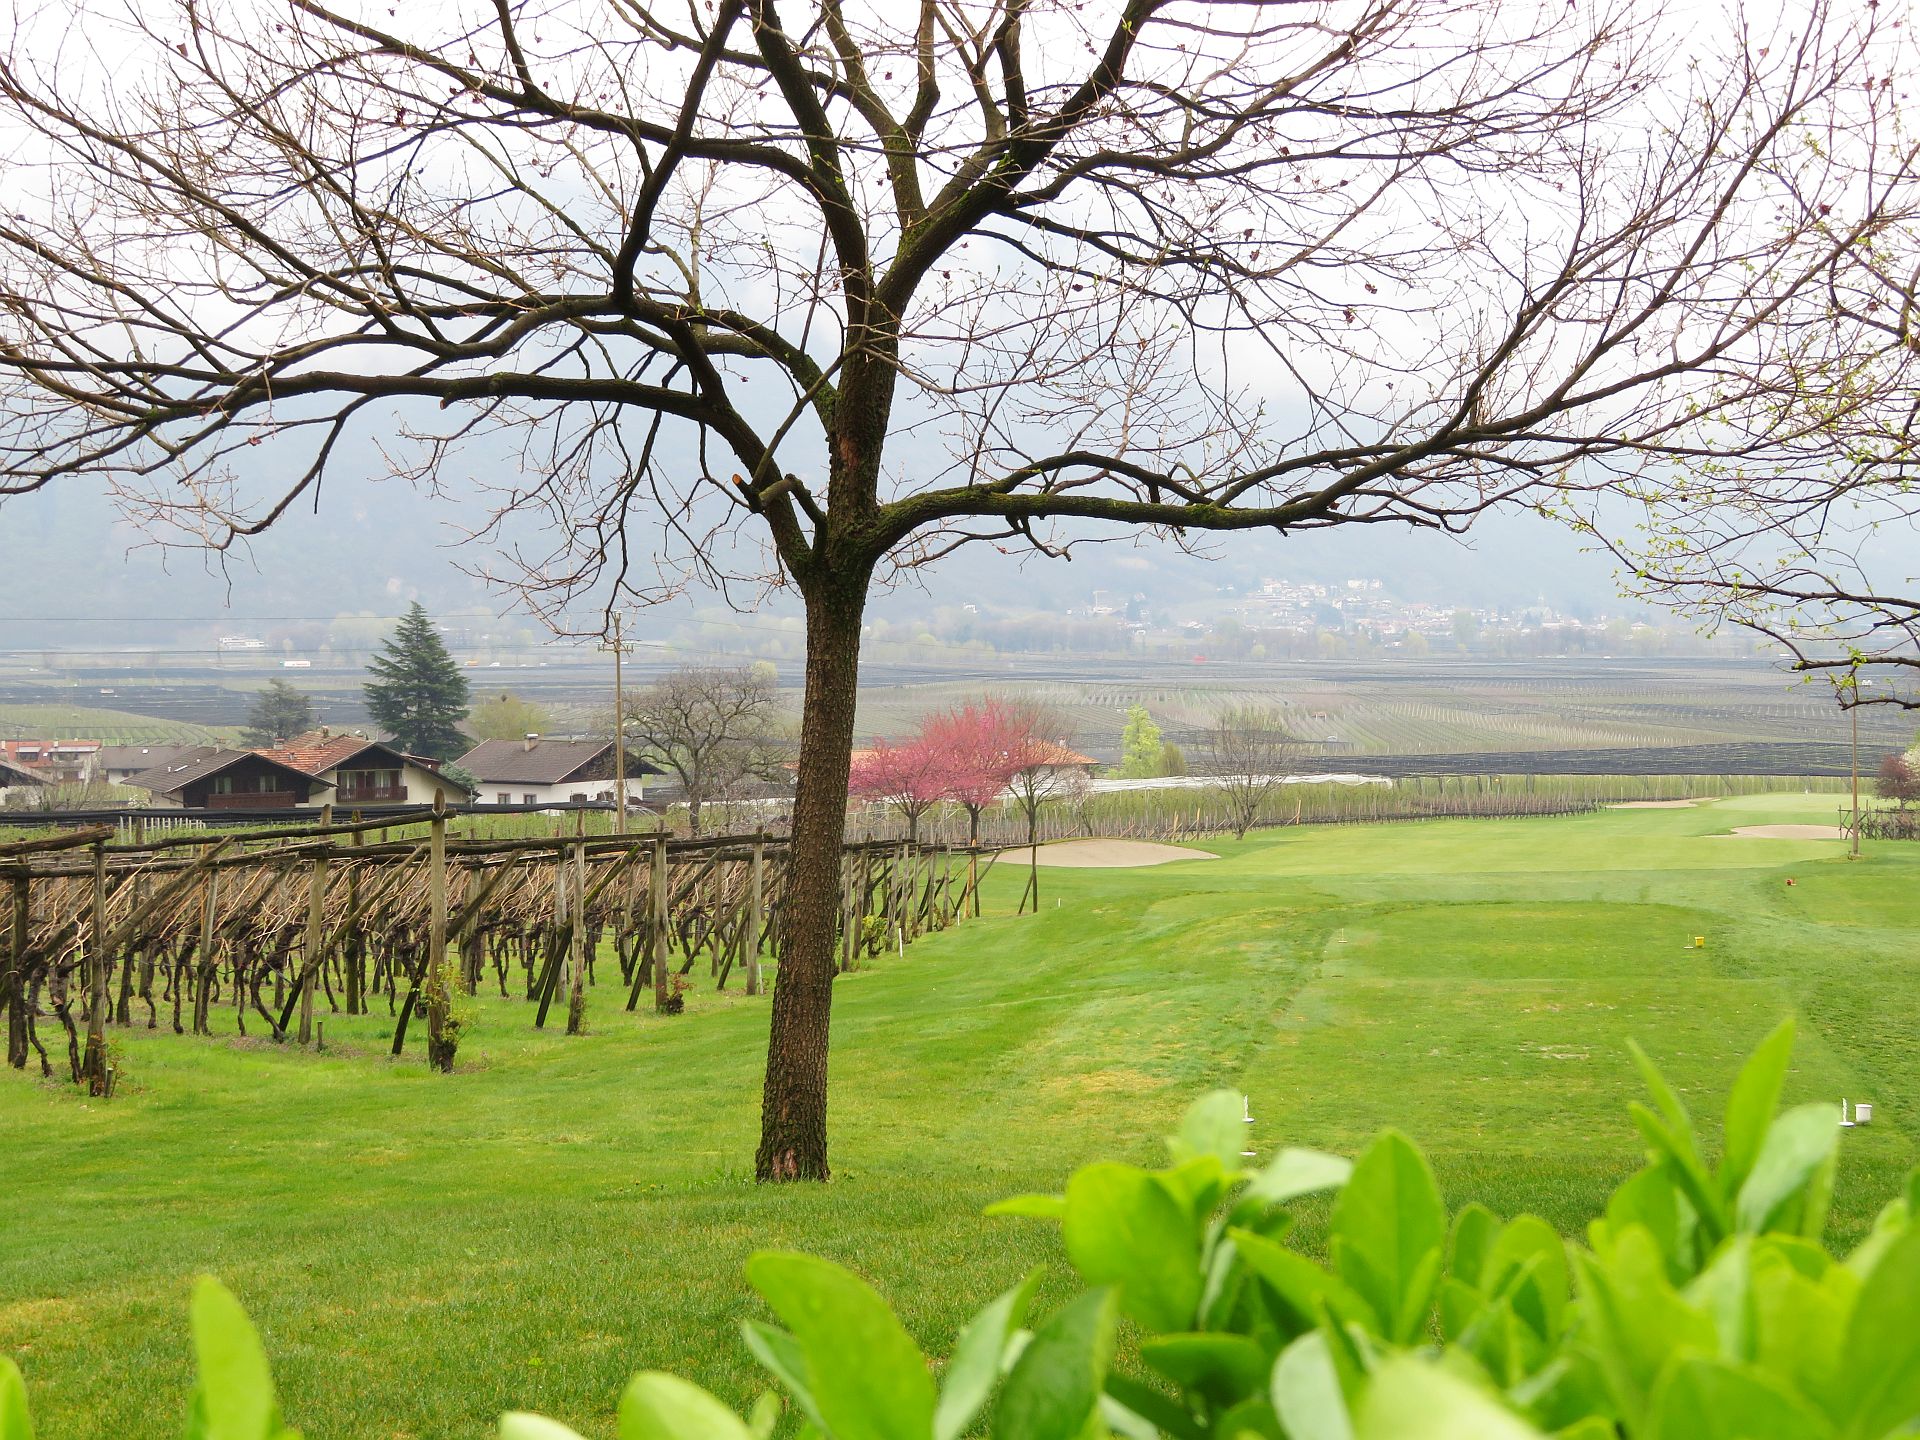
<point>417,693</point>
<point>279,713</point>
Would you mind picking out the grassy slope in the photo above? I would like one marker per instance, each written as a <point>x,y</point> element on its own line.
<point>423,1253</point>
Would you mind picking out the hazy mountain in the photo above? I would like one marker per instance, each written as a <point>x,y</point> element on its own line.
<point>374,546</point>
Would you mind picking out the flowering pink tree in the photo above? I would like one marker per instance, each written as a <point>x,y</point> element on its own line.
<point>983,747</point>
<point>911,777</point>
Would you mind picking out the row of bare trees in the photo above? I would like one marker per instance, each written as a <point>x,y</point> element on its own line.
<point>807,292</point>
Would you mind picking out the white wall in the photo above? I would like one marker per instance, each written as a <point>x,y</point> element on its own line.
<point>519,792</point>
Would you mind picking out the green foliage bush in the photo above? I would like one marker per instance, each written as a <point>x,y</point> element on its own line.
<point>1703,1306</point>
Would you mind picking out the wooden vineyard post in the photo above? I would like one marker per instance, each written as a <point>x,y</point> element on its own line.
<point>94,1066</point>
<point>17,975</point>
<point>442,1035</point>
<point>205,965</point>
<point>577,998</point>
<point>353,954</point>
<point>310,958</point>
<point>657,928</point>
<point>756,912</point>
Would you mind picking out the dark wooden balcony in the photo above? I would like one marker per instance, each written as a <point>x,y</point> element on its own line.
<point>370,795</point>
<point>255,800</point>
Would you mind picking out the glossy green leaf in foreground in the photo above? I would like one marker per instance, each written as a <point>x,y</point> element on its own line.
<point>1788,1172</point>
<point>1881,1370</point>
<point>518,1425</point>
<point>1704,1398</point>
<point>1055,1385</point>
<point>1413,1400</point>
<point>234,1400</point>
<point>658,1406</point>
<point>1750,1106</point>
<point>1125,1227</point>
<point>1307,1394</point>
<point>979,1355</point>
<point>1388,1232</point>
<point>868,1378</point>
<point>14,1422</point>
<point>1215,1125</point>
<point>1294,1172</point>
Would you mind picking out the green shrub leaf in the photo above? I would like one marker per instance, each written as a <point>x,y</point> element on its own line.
<point>1224,1368</point>
<point>1308,1290</point>
<point>517,1425</point>
<point>783,1358</point>
<point>658,1406</point>
<point>1035,1207</point>
<point>14,1421</point>
<point>1750,1107</point>
<point>1408,1398</point>
<point>1306,1391</point>
<point>1798,1148</point>
<point>1214,1125</point>
<point>1387,1232</point>
<point>235,1393</point>
<point>979,1355</point>
<point>1293,1173</point>
<point>1528,1261</point>
<point>869,1380</point>
<point>1703,1398</point>
<point>1474,1230</point>
<point>1881,1369</point>
<point>1634,1321</point>
<point>1055,1384</point>
<point>1124,1227</point>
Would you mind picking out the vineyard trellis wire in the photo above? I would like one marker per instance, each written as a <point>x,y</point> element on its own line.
<point>262,927</point>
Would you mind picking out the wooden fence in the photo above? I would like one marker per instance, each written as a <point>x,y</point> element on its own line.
<point>203,932</point>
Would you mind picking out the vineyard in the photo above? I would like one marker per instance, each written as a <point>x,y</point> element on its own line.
<point>110,727</point>
<point>198,932</point>
<point>1174,814</point>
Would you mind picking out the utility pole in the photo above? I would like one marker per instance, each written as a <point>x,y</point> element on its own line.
<point>619,728</point>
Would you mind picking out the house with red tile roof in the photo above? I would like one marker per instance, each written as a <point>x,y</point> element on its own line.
<point>365,773</point>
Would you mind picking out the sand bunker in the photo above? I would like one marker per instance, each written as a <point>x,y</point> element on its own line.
<point>1787,832</point>
<point>1653,805</point>
<point>1105,854</point>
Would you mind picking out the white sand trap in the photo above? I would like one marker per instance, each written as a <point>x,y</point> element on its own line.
<point>1105,854</point>
<point>1653,805</point>
<point>1787,832</point>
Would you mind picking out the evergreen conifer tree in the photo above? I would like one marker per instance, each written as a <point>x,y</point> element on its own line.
<point>1139,745</point>
<point>279,712</point>
<point>417,693</point>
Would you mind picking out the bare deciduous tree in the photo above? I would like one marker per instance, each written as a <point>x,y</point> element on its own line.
<point>800,294</point>
<point>1245,752</point>
<point>714,728</point>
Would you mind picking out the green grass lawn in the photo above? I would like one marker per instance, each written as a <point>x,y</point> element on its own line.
<point>423,1252</point>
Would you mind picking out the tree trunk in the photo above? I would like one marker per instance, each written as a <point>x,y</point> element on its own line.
<point>1033,852</point>
<point>793,1110</point>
